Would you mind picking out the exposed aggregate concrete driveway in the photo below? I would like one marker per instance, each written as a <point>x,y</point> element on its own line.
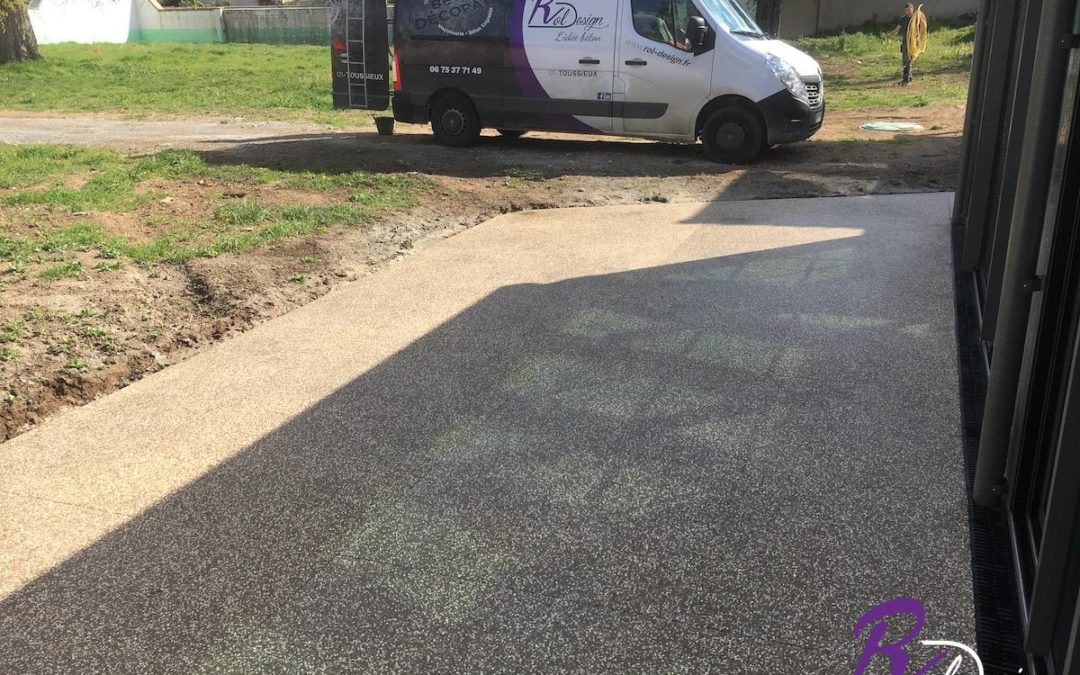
<point>201,302</point>
<point>681,438</point>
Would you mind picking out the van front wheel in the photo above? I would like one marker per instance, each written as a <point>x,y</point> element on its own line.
<point>733,135</point>
<point>454,121</point>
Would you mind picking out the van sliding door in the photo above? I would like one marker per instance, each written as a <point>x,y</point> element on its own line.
<point>360,54</point>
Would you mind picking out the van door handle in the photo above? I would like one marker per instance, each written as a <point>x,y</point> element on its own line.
<point>637,62</point>
<point>589,62</point>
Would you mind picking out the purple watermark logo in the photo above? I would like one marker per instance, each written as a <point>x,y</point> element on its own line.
<point>874,625</point>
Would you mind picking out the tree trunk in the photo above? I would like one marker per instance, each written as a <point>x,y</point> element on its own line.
<point>768,16</point>
<point>17,41</point>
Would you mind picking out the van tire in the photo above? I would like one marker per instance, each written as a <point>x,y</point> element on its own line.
<point>512,133</point>
<point>454,121</point>
<point>733,135</point>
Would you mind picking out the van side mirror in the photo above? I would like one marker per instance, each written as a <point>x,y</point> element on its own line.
<point>697,32</point>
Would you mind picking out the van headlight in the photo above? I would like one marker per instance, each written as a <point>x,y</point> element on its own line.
<point>788,75</point>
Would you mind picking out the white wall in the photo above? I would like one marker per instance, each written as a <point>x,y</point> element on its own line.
<point>176,24</point>
<point>146,21</point>
<point>81,20</point>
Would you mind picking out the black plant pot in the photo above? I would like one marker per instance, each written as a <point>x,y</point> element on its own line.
<point>385,125</point>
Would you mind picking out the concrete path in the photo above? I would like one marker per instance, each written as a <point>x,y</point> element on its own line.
<point>141,133</point>
<point>683,438</point>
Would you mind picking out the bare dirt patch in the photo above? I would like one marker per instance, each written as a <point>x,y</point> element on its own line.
<point>74,339</point>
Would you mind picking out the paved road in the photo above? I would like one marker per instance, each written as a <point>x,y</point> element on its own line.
<point>674,438</point>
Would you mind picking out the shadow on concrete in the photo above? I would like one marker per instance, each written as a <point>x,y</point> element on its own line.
<point>924,158</point>
<point>715,465</point>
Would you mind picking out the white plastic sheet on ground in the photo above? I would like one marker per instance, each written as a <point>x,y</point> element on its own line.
<point>892,126</point>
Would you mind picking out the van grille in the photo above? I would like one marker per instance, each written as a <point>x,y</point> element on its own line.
<point>813,92</point>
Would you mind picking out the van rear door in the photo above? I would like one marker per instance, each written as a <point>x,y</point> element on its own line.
<point>360,53</point>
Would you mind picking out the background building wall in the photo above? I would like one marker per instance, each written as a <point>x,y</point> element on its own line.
<point>750,6</point>
<point>156,24</point>
<point>147,21</point>
<point>277,25</point>
<point>805,17</point>
<point>798,17</point>
<point>90,21</point>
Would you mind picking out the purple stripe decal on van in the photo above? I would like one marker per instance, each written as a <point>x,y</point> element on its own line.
<point>523,71</point>
<point>530,86</point>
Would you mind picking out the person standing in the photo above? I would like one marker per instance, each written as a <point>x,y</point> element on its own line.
<point>902,25</point>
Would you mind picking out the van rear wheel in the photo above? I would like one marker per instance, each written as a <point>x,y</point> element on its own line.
<point>733,135</point>
<point>454,121</point>
<point>512,133</point>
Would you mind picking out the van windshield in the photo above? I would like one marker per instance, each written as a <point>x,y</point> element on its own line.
<point>733,17</point>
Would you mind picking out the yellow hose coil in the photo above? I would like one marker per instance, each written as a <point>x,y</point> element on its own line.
<point>915,40</point>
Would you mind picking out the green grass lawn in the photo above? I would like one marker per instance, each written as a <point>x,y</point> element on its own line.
<point>268,81</point>
<point>293,82</point>
<point>39,178</point>
<point>862,68</point>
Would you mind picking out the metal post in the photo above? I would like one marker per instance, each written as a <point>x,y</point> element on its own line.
<point>1025,231</point>
<point>1059,525</point>
<point>999,213</point>
<point>971,128</point>
<point>984,157</point>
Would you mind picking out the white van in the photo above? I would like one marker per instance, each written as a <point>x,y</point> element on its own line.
<point>673,70</point>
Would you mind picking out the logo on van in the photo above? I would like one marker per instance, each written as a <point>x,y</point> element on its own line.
<point>456,17</point>
<point>876,623</point>
<point>555,14</point>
